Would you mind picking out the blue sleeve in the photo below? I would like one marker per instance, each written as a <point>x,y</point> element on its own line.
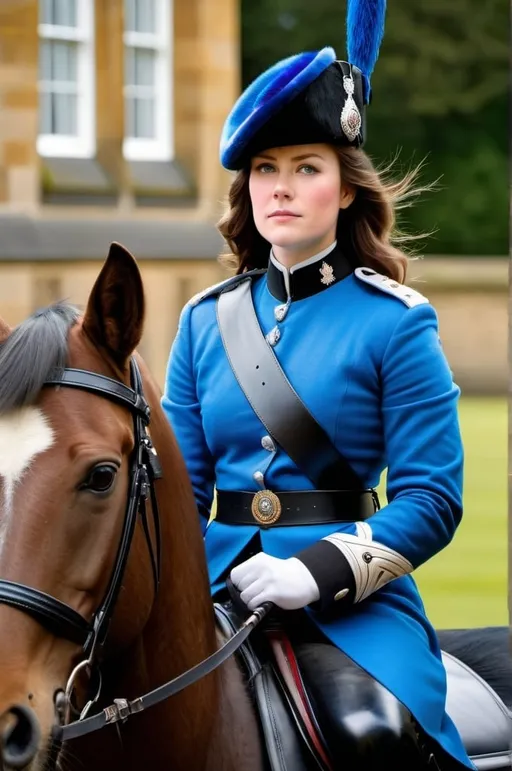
<point>422,439</point>
<point>183,410</point>
<point>425,463</point>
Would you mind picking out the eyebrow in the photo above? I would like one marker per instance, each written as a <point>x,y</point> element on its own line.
<point>295,158</point>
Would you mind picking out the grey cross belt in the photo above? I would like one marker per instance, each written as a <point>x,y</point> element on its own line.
<point>273,398</point>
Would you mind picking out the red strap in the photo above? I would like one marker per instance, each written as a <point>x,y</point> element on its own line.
<point>289,669</point>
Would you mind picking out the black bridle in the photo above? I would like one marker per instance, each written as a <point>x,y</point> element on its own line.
<point>65,622</point>
<point>60,619</point>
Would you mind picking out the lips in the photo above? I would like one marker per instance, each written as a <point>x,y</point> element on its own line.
<point>283,213</point>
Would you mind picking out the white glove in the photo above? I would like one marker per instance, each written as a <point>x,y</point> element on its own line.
<point>287,583</point>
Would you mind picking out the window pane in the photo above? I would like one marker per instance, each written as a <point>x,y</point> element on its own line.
<point>129,15</point>
<point>64,114</point>
<point>64,62</point>
<point>46,11</point>
<point>129,117</point>
<point>129,66</point>
<point>145,20</point>
<point>65,13</point>
<point>45,60</point>
<point>144,67</point>
<point>140,67</point>
<point>144,118</point>
<point>45,113</point>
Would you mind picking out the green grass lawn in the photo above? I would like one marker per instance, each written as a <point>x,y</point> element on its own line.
<point>466,584</point>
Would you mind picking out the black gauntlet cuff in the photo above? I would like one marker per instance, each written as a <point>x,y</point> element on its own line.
<point>332,573</point>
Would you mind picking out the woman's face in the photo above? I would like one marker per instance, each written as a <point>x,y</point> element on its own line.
<point>296,194</point>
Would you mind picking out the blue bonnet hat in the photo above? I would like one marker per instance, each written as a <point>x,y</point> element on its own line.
<point>310,97</point>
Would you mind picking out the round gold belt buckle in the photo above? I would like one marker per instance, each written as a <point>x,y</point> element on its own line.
<point>266,507</point>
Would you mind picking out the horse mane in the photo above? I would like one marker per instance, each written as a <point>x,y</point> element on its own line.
<point>487,651</point>
<point>33,351</point>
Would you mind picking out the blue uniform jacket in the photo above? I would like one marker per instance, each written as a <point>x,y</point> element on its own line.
<point>371,370</point>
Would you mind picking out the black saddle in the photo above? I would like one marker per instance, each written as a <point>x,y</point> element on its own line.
<point>482,719</point>
<point>303,701</point>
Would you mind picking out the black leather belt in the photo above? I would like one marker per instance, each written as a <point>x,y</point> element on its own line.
<point>306,507</point>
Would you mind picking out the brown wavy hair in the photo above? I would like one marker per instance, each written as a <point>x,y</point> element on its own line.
<point>367,230</point>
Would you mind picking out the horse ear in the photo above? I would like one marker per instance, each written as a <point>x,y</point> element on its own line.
<point>5,330</point>
<point>114,317</point>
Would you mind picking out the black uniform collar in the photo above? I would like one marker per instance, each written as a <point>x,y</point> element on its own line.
<point>309,277</point>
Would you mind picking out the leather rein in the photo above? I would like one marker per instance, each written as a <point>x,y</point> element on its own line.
<point>63,621</point>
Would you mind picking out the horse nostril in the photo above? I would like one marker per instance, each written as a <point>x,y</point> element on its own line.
<point>20,740</point>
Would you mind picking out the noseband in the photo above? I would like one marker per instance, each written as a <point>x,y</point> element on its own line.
<point>62,620</point>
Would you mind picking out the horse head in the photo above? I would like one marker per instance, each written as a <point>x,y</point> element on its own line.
<point>67,459</point>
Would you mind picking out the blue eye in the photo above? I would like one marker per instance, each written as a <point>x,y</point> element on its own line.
<point>265,168</point>
<point>308,170</point>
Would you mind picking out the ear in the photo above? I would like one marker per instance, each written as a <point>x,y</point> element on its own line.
<point>347,196</point>
<point>114,318</point>
<point>5,330</point>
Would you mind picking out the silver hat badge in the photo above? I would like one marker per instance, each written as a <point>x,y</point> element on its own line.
<point>350,118</point>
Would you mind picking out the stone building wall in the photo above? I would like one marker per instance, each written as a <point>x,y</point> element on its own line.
<point>19,173</point>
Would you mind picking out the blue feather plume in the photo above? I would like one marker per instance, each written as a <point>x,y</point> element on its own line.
<point>365,29</point>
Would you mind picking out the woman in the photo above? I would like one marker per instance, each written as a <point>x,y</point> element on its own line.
<point>361,351</point>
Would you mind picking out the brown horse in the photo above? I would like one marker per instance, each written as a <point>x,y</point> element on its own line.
<point>64,473</point>
<point>66,458</point>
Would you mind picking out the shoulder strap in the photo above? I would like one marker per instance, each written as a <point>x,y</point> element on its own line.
<point>408,296</point>
<point>223,286</point>
<point>273,398</point>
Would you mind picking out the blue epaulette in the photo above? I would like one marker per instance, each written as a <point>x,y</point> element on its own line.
<point>227,284</point>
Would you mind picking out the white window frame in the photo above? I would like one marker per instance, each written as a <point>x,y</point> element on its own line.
<point>161,148</point>
<point>83,145</point>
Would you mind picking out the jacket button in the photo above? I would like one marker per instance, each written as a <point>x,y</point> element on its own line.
<point>268,443</point>
<point>259,478</point>
<point>340,595</point>
<point>274,336</point>
<point>281,311</point>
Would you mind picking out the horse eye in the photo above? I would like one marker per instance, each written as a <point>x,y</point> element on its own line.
<point>101,479</point>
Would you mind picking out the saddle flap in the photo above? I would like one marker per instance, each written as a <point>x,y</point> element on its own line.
<point>288,667</point>
<point>287,746</point>
<point>482,719</point>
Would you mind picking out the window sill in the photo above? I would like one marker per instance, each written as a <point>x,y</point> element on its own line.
<point>76,181</point>
<point>160,183</point>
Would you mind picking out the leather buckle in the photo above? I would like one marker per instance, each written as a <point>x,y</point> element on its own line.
<point>266,507</point>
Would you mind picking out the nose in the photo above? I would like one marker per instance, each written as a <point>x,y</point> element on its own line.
<point>20,735</point>
<point>282,188</point>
